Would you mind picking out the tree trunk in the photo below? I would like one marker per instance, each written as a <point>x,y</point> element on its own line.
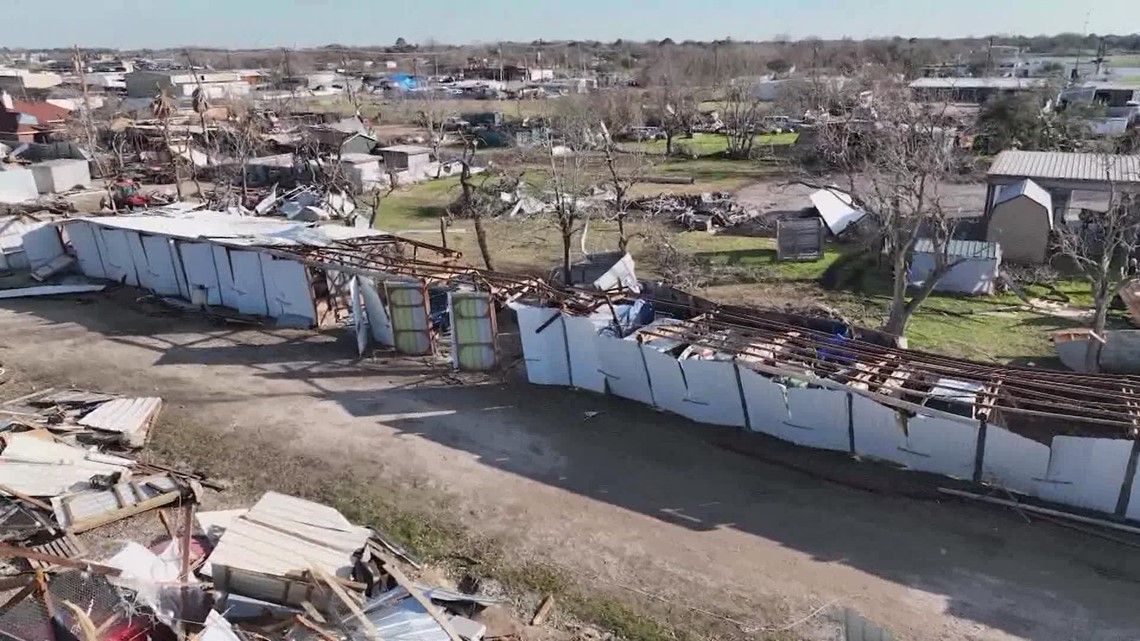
<point>1100,323</point>
<point>900,312</point>
<point>481,238</point>
<point>623,241</point>
<point>567,238</point>
<point>668,142</point>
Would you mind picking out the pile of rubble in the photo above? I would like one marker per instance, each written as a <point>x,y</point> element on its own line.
<point>286,568</point>
<point>703,212</point>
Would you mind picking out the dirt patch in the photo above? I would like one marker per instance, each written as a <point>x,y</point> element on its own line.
<point>631,497</point>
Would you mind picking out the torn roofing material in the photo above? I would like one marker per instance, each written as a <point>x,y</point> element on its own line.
<point>130,417</point>
<point>282,534</point>
<point>836,209</point>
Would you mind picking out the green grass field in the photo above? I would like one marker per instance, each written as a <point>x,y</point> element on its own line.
<point>709,144</point>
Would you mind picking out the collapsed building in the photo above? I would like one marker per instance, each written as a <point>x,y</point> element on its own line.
<point>1061,437</point>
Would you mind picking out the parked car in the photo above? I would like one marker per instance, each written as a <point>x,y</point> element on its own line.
<point>641,134</point>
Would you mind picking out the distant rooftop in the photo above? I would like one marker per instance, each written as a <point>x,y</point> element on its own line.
<point>411,150</point>
<point>979,83</point>
<point>1057,165</point>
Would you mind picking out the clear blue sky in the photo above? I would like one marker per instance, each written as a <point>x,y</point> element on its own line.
<point>130,24</point>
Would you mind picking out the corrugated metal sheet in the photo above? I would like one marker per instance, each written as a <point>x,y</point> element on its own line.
<point>283,533</point>
<point>1059,165</point>
<point>473,331</point>
<point>396,616</point>
<point>131,417</point>
<point>955,248</point>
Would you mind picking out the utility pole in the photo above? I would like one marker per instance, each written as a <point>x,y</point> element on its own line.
<point>288,69</point>
<point>501,62</point>
<point>989,56</point>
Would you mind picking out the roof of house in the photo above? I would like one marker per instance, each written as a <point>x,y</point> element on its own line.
<point>43,112</point>
<point>1058,165</point>
<point>978,83</point>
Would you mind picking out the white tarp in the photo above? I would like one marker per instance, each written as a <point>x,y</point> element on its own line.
<point>81,236</point>
<point>767,404</point>
<point>411,321</point>
<point>585,368</point>
<point>1013,461</point>
<point>544,352</point>
<point>1086,472</point>
<point>817,418</point>
<point>713,395</point>
<point>378,321</point>
<point>624,368</point>
<point>201,274</point>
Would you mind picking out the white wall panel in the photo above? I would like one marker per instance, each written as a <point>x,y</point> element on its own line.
<point>713,394</point>
<point>880,431</point>
<point>818,418</point>
<point>287,292</point>
<point>585,368</point>
<point>767,403</point>
<point>1086,472</point>
<point>667,379</point>
<point>248,282</point>
<point>942,446</point>
<point>201,274</point>
<point>159,264</point>
<point>1013,461</point>
<point>623,367</point>
<point>117,258</point>
<point>544,352</point>
<point>81,236</point>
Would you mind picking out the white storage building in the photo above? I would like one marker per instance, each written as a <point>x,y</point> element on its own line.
<point>974,266</point>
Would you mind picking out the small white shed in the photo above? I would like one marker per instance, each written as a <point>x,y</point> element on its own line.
<point>1021,221</point>
<point>975,266</point>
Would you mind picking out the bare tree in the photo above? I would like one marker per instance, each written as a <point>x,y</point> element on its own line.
<point>432,116</point>
<point>676,111</point>
<point>567,175</point>
<point>893,159</point>
<point>742,118</point>
<point>163,108</point>
<point>471,206</point>
<point>623,171</point>
<point>1103,248</point>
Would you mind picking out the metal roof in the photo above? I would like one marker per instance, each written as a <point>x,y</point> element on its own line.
<point>411,150</point>
<point>1058,165</point>
<point>229,229</point>
<point>977,249</point>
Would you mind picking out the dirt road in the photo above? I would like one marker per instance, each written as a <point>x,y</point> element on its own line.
<point>631,495</point>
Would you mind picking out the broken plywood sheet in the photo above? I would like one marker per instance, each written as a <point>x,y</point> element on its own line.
<point>130,417</point>
<point>283,534</point>
<point>38,466</point>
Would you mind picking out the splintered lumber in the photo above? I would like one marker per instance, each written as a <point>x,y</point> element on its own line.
<point>368,627</point>
<point>543,610</point>
<point>11,551</point>
<point>402,580</point>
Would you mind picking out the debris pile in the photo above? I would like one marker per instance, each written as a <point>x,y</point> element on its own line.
<point>703,212</point>
<point>286,568</point>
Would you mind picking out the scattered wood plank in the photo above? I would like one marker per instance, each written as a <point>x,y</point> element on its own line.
<point>25,498</point>
<point>12,551</point>
<point>543,610</point>
<point>394,571</point>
